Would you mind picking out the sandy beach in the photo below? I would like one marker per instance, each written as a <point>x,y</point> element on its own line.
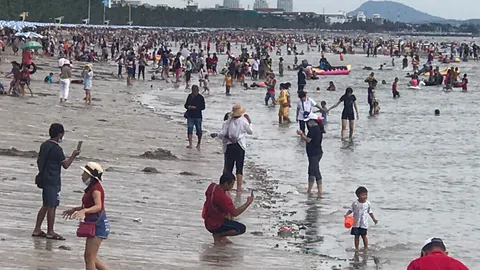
<point>155,217</point>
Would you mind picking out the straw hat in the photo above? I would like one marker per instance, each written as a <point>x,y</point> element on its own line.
<point>237,110</point>
<point>89,65</point>
<point>94,170</point>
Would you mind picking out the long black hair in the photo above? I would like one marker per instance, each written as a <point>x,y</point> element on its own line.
<point>93,181</point>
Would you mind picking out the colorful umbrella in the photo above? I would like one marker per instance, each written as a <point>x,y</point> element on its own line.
<point>31,45</point>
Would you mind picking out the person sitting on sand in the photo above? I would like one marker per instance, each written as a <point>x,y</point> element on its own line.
<point>49,78</point>
<point>331,86</point>
<point>219,211</point>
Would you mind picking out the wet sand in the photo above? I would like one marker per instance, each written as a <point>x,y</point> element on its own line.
<point>116,130</point>
<point>411,161</point>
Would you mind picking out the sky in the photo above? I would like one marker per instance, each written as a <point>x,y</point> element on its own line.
<point>429,6</point>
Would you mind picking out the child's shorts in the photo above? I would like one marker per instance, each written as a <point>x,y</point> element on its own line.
<point>358,231</point>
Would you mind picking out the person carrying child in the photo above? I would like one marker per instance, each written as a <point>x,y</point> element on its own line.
<point>361,209</point>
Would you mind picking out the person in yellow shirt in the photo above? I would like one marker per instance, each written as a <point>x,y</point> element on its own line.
<point>284,101</point>
<point>227,82</point>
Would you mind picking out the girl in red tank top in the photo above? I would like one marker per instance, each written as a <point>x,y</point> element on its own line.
<point>93,211</point>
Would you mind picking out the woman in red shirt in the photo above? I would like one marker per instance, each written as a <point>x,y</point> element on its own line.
<point>218,211</point>
<point>92,210</point>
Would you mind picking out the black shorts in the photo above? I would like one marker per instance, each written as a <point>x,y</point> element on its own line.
<point>358,231</point>
<point>348,115</point>
<point>188,75</point>
<point>230,225</point>
<point>51,196</point>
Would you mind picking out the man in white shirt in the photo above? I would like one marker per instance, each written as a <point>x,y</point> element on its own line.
<point>255,68</point>
<point>233,134</point>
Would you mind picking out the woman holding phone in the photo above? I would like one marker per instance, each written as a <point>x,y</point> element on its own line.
<point>92,210</point>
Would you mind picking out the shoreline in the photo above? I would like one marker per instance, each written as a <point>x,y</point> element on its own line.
<point>116,130</point>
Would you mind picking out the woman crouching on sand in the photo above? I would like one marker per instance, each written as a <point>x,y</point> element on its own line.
<point>92,211</point>
<point>218,211</point>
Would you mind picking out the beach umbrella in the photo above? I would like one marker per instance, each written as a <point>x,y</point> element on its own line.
<point>28,35</point>
<point>185,52</point>
<point>31,45</point>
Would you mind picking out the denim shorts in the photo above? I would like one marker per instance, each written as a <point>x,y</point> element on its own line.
<point>197,122</point>
<point>229,225</point>
<point>102,229</point>
<point>51,196</point>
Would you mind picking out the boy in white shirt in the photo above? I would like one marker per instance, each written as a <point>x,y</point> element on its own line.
<point>361,209</point>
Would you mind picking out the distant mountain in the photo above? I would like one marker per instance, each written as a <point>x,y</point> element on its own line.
<point>396,12</point>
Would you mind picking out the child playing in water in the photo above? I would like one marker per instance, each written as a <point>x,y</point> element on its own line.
<point>376,107</point>
<point>284,101</point>
<point>361,209</point>
<point>395,89</point>
<point>271,82</point>
<point>205,85</point>
<point>49,78</point>
<point>464,83</point>
<point>324,109</point>
<point>331,86</point>
<point>227,82</point>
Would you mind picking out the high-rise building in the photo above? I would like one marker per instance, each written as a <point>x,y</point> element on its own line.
<point>231,3</point>
<point>286,5</point>
<point>260,4</point>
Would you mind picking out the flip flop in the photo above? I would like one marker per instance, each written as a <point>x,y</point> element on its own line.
<point>40,235</point>
<point>56,237</point>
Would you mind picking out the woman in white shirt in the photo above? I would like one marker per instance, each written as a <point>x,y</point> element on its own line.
<point>233,135</point>
<point>305,106</point>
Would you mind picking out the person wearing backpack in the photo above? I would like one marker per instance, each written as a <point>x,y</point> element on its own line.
<point>50,161</point>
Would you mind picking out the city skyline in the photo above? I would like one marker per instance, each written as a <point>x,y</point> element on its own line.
<point>428,6</point>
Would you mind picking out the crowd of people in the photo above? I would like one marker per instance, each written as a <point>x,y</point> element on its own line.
<point>193,63</point>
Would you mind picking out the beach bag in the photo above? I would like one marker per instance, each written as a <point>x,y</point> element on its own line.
<point>305,114</point>
<point>39,177</point>
<point>88,229</point>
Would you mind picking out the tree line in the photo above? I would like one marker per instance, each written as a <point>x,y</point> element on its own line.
<point>74,11</point>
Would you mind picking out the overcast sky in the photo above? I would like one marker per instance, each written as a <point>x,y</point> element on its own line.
<point>463,9</point>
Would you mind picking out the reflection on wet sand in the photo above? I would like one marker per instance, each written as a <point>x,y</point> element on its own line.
<point>311,223</point>
<point>42,244</point>
<point>220,256</point>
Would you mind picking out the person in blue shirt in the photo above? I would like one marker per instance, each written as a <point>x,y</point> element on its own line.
<point>48,79</point>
